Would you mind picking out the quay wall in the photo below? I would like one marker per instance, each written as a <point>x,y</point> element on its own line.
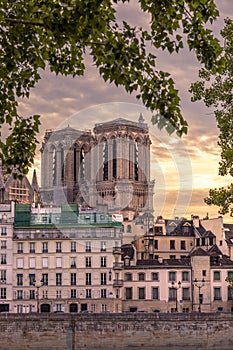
<point>129,331</point>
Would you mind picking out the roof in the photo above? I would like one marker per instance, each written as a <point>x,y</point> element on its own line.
<point>123,121</point>
<point>214,250</point>
<point>179,227</point>
<point>127,251</point>
<point>199,252</point>
<point>228,233</point>
<point>164,262</point>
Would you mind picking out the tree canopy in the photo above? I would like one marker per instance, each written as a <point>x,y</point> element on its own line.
<point>217,92</point>
<point>57,34</point>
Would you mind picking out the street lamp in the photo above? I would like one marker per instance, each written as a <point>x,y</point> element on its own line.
<point>176,288</point>
<point>199,285</point>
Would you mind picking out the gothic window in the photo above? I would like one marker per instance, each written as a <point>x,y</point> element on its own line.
<point>114,159</point>
<point>62,165</point>
<point>105,160</point>
<point>136,161</point>
<point>75,165</point>
<point>54,167</point>
<point>82,163</point>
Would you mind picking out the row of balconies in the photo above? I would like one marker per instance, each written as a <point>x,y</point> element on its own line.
<point>115,251</point>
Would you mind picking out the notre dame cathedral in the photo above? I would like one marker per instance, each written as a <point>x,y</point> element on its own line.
<point>108,167</point>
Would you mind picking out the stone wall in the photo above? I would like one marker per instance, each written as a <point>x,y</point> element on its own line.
<point>116,331</point>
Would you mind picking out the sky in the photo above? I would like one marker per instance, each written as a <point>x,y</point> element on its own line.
<point>183,169</point>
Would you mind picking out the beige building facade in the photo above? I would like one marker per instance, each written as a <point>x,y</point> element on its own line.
<point>67,268</point>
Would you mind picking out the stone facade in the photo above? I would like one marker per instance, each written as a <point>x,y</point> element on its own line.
<point>109,167</point>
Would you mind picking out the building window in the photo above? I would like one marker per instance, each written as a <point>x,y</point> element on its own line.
<point>185,276</point>
<point>185,294</point>
<point>128,229</point>
<point>172,257</point>
<point>19,262</point>
<point>216,275</point>
<point>182,245</point>
<point>58,307</point>
<point>128,276</point>
<point>88,279</point>
<point>20,248</point>
<point>73,279</point>
<point>156,244</point>
<point>141,293</point>
<point>103,246</point>
<point>73,262</point>
<point>128,293</point>
<point>32,294</point>
<point>58,279</point>
<point>3,293</point>
<point>73,247</point>
<point>3,244</point>
<point>230,274</point>
<point>203,241</point>
<point>45,294</point>
<point>32,279</point>
<point>155,276</point>
<point>198,242</point>
<point>103,279</point>
<point>88,246</point>
<point>172,293</point>
<point>93,307</point>
<point>103,293</point>
<point>3,276</point>
<point>172,276</point>
<point>88,261</point>
<point>204,273</point>
<point>172,244</point>
<point>58,262</point>
<point>45,262</point>
<point>217,293</point>
<point>45,279</point>
<point>3,259</point>
<point>45,247</point>
<point>19,294</point>
<point>58,247</point>
<point>73,293</point>
<point>230,293</point>
<point>220,242</point>
<point>141,277</point>
<point>32,247</point>
<point>103,261</point>
<point>104,308</point>
<point>58,294</point>
<point>32,263</point>
<point>3,231</point>
<point>88,293</point>
<point>155,293</point>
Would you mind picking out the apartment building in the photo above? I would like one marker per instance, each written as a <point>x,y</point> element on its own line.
<point>66,262</point>
<point>6,256</point>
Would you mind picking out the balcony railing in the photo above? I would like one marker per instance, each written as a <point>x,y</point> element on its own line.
<point>118,283</point>
<point>116,250</point>
<point>118,265</point>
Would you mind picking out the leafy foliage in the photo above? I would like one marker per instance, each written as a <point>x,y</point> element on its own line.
<point>57,34</point>
<point>229,279</point>
<point>217,92</point>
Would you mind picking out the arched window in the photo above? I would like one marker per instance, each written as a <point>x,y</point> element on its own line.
<point>62,165</point>
<point>114,159</point>
<point>75,164</point>
<point>82,163</point>
<point>136,161</point>
<point>54,167</point>
<point>129,229</point>
<point>105,160</point>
